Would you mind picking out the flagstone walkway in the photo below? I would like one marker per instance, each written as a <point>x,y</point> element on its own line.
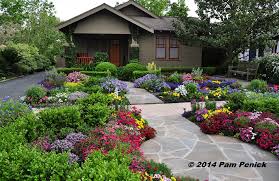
<point>179,142</point>
<point>141,96</point>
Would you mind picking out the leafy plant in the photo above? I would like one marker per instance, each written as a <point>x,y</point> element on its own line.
<point>267,125</point>
<point>258,86</point>
<point>127,71</point>
<point>94,99</point>
<point>56,119</point>
<point>96,115</point>
<point>197,73</point>
<point>34,94</point>
<point>242,122</point>
<point>175,77</point>
<point>210,105</point>
<point>107,66</point>
<point>112,166</point>
<point>101,57</point>
<point>235,100</point>
<point>10,110</point>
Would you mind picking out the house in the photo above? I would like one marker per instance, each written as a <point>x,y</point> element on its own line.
<point>129,31</point>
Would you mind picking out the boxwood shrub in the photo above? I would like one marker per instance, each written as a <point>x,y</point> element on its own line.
<point>69,70</point>
<point>169,70</point>
<point>127,71</point>
<point>106,66</point>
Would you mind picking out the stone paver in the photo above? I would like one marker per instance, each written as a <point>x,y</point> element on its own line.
<point>180,142</point>
<point>17,87</point>
<point>141,96</point>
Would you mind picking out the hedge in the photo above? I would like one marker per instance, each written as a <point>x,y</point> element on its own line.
<point>96,73</point>
<point>138,74</point>
<point>69,70</point>
<point>206,70</point>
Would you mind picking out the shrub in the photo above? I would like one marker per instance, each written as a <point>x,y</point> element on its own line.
<point>10,110</point>
<point>206,70</point>
<point>34,94</point>
<point>269,67</point>
<point>24,162</point>
<point>106,66</point>
<point>101,57</point>
<point>30,127</point>
<point>134,60</point>
<point>94,99</point>
<point>96,115</point>
<point>127,72</point>
<point>69,70</point>
<point>175,77</point>
<point>137,74</point>
<point>92,81</point>
<point>112,166</point>
<point>235,100</point>
<point>24,58</point>
<point>57,118</point>
<point>96,73</point>
<point>258,86</point>
<point>264,104</point>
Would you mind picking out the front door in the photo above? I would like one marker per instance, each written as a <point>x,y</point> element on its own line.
<point>114,53</point>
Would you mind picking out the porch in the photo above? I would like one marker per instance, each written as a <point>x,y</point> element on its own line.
<point>117,47</point>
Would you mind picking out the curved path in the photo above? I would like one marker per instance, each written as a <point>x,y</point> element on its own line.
<point>179,142</point>
<point>17,87</point>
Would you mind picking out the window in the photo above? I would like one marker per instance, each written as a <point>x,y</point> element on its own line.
<point>161,47</point>
<point>174,49</point>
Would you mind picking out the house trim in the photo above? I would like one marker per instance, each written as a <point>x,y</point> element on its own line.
<point>131,2</point>
<point>99,8</point>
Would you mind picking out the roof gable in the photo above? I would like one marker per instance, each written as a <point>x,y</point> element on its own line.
<point>137,6</point>
<point>99,8</point>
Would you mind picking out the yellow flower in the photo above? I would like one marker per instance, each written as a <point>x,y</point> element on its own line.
<point>72,84</point>
<point>176,94</point>
<point>173,179</point>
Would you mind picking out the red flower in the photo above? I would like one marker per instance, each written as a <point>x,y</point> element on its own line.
<point>265,140</point>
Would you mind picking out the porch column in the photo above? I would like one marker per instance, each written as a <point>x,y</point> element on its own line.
<point>133,43</point>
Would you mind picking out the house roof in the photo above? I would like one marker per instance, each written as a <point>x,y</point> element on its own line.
<point>162,23</point>
<point>104,7</point>
<point>131,2</point>
<point>147,23</point>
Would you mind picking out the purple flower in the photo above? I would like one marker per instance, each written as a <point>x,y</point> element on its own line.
<point>111,84</point>
<point>275,150</point>
<point>61,145</point>
<point>75,137</point>
<point>200,113</point>
<point>77,95</point>
<point>151,82</point>
<point>42,143</point>
<point>76,77</point>
<point>73,158</point>
<point>246,134</point>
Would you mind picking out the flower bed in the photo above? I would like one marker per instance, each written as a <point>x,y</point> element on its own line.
<point>58,89</point>
<point>260,128</point>
<point>91,135</point>
<point>184,88</point>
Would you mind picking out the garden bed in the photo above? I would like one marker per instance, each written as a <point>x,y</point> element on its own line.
<point>247,118</point>
<point>94,136</point>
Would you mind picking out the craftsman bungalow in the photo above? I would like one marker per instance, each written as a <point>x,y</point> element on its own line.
<point>126,30</point>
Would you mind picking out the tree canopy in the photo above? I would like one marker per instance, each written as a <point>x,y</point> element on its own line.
<point>32,22</point>
<point>232,24</point>
<point>157,7</point>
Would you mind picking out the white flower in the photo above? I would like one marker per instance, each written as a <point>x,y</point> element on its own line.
<point>181,90</point>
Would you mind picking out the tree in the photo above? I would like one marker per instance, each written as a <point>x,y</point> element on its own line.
<point>157,7</point>
<point>232,24</point>
<point>37,25</point>
<point>178,9</point>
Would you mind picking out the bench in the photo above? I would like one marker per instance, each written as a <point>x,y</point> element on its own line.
<point>248,69</point>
